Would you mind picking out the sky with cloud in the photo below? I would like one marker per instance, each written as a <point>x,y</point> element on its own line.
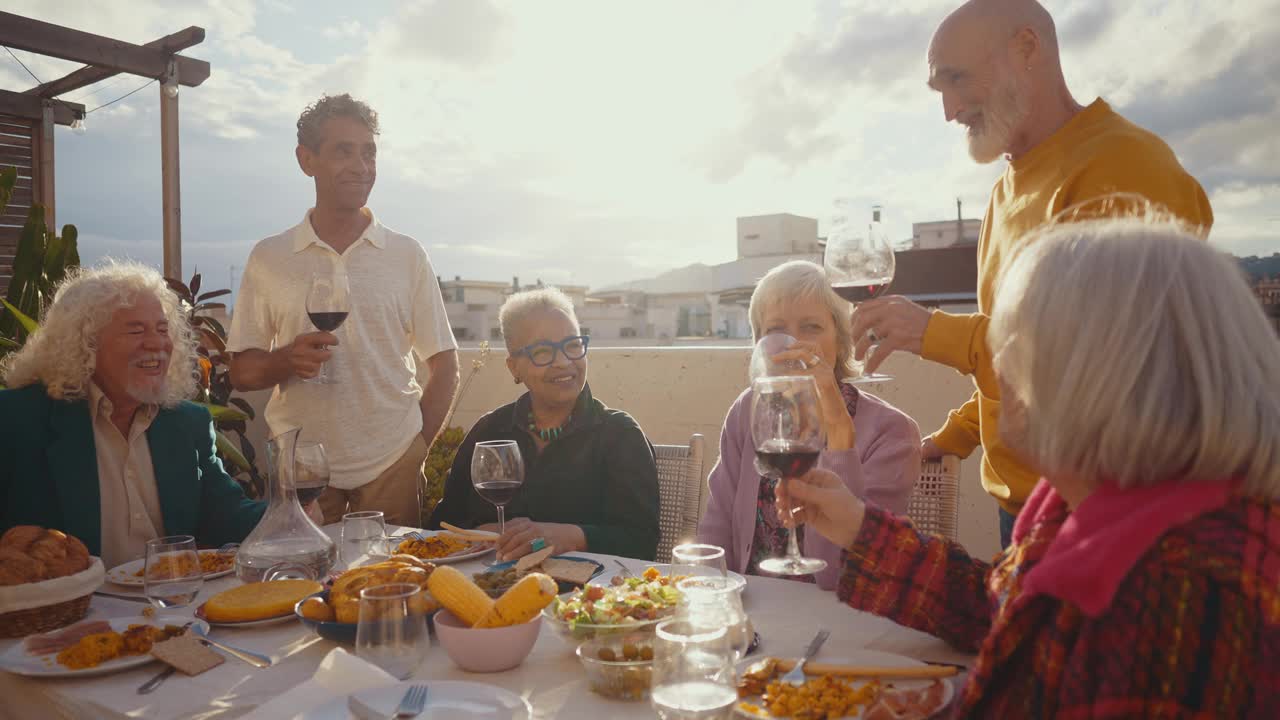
<point>594,142</point>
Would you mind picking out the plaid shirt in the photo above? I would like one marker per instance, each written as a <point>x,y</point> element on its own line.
<point>1193,630</point>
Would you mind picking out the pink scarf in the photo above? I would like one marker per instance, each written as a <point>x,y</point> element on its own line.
<point>1100,542</point>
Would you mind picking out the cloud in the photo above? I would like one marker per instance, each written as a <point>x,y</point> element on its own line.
<point>463,32</point>
<point>344,29</point>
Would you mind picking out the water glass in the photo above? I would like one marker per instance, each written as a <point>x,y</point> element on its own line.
<point>698,559</point>
<point>693,673</point>
<point>172,576</point>
<point>392,629</point>
<point>363,534</point>
<point>716,602</point>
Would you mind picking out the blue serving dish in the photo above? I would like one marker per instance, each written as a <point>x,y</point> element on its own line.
<point>334,631</point>
<point>563,586</point>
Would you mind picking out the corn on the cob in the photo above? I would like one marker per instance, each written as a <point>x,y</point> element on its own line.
<point>459,594</point>
<point>521,602</point>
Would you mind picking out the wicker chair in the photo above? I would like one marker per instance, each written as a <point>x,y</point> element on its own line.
<point>935,506</point>
<point>680,488</point>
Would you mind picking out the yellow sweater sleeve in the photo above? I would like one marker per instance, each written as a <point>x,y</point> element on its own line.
<point>961,434</point>
<point>960,342</point>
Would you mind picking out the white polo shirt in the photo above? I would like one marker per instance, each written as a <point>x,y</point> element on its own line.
<point>368,419</point>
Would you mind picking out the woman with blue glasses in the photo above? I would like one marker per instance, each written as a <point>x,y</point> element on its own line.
<point>591,482</point>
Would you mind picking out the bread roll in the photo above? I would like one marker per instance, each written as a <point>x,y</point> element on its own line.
<point>20,537</point>
<point>19,568</point>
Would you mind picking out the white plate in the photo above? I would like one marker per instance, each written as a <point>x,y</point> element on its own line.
<point>446,700</point>
<point>862,657</point>
<point>477,549</point>
<point>16,660</point>
<point>247,623</point>
<point>124,574</point>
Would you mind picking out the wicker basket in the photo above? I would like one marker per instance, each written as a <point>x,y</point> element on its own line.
<point>66,600</point>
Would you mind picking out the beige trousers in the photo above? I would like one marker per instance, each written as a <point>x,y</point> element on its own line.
<point>397,492</point>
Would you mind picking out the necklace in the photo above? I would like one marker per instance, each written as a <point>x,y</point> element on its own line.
<point>548,434</point>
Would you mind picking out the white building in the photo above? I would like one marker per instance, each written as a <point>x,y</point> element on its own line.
<point>944,233</point>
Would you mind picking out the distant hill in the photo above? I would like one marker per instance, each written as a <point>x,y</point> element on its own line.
<point>1261,267</point>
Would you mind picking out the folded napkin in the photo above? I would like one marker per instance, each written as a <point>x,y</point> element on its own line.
<point>339,675</point>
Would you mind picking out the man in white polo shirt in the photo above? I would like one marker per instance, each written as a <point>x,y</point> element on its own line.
<point>375,421</point>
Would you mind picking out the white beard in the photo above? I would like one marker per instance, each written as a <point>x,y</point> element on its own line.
<point>149,393</point>
<point>1006,111</point>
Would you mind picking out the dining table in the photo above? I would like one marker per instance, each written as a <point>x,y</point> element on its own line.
<point>785,614</point>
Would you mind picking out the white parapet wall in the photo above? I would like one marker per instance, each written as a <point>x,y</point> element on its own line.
<point>674,392</point>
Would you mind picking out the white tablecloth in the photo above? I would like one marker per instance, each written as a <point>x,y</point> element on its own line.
<point>785,613</point>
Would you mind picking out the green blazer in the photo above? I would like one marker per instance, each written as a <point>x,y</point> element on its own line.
<point>49,471</point>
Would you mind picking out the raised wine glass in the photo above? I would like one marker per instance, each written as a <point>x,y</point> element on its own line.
<point>859,262</point>
<point>786,427</point>
<point>328,303</point>
<point>497,472</point>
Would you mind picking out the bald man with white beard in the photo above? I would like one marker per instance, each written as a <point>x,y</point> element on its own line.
<point>996,65</point>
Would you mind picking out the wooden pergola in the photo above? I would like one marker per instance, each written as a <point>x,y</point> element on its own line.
<point>27,118</point>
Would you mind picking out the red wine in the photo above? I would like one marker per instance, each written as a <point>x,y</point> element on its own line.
<point>787,458</point>
<point>307,494</point>
<point>327,321</point>
<point>858,292</point>
<point>498,492</point>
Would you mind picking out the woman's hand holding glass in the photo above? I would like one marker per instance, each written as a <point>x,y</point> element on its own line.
<point>805,358</point>
<point>821,500</point>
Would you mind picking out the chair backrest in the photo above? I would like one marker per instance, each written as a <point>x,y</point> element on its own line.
<point>935,503</point>
<point>680,489</point>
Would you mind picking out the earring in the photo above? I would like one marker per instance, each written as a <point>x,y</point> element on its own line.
<point>515,380</point>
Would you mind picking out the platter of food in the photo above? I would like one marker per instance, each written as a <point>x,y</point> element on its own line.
<point>92,647</point>
<point>445,546</point>
<point>214,563</point>
<point>865,685</point>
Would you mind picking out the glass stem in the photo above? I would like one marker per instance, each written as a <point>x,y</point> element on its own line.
<point>793,545</point>
<point>502,519</point>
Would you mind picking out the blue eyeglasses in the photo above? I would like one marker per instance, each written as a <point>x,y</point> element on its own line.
<point>543,353</point>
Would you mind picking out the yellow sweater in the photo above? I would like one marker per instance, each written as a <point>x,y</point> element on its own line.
<point>1080,167</point>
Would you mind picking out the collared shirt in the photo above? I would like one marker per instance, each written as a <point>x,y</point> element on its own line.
<point>369,417</point>
<point>129,499</point>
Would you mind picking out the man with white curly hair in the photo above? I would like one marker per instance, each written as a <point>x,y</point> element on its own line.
<point>97,438</point>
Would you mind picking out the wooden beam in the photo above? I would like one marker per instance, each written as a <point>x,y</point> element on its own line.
<point>52,40</point>
<point>42,140</point>
<point>169,184</point>
<point>89,74</point>
<point>32,107</point>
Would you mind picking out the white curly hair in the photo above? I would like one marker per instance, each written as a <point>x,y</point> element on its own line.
<point>63,351</point>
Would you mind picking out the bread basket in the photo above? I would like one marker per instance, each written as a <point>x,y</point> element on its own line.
<point>49,604</point>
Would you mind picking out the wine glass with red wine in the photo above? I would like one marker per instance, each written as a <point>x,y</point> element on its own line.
<point>328,303</point>
<point>786,427</point>
<point>497,472</point>
<point>859,262</point>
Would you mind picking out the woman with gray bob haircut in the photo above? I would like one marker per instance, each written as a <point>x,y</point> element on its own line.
<point>591,480</point>
<point>871,445</point>
<point>1137,373</point>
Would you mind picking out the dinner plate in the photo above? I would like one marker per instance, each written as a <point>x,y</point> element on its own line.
<point>199,613</point>
<point>446,700</point>
<point>857,657</point>
<point>564,586</point>
<point>476,550</point>
<point>126,574</point>
<point>16,660</point>
<point>637,567</point>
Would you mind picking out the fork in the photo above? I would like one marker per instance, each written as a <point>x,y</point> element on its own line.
<point>411,705</point>
<point>626,571</point>
<point>796,675</point>
<point>161,676</point>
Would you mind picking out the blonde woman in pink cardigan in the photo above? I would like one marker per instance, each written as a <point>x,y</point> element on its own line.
<point>873,446</point>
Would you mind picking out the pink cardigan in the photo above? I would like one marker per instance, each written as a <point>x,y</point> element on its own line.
<point>881,469</point>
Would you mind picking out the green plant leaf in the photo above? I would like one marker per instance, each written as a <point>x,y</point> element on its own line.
<point>243,405</point>
<point>195,283</point>
<point>210,306</point>
<point>231,453</point>
<point>213,325</point>
<point>27,323</point>
<point>222,413</point>
<point>7,343</point>
<point>211,340</point>
<point>180,289</point>
<point>212,294</point>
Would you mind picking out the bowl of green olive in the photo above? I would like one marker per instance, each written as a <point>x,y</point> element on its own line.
<point>619,667</point>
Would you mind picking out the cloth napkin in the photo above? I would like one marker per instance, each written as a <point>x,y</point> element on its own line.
<point>339,675</point>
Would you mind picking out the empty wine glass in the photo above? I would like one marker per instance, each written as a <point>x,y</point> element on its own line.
<point>392,628</point>
<point>172,576</point>
<point>698,559</point>
<point>310,472</point>
<point>859,263</point>
<point>762,362</point>
<point>693,674</point>
<point>786,427</point>
<point>497,472</point>
<point>363,534</point>
<point>328,303</point>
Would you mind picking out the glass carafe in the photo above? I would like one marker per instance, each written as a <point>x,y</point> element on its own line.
<point>285,543</point>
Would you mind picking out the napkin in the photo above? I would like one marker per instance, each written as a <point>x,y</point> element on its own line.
<point>339,675</point>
